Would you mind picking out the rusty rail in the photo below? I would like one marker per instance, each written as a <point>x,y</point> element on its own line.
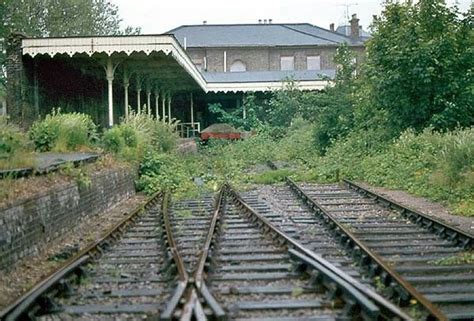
<point>367,257</point>
<point>183,278</point>
<point>376,307</point>
<point>197,287</point>
<point>18,309</point>
<point>434,225</point>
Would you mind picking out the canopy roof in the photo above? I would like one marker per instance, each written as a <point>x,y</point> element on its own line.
<point>163,62</point>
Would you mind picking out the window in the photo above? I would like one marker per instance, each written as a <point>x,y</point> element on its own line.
<point>287,63</point>
<point>238,66</point>
<point>313,63</point>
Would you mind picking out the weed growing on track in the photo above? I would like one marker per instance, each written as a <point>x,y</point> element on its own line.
<point>461,258</point>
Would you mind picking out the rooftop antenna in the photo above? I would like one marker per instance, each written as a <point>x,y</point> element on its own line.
<point>347,7</point>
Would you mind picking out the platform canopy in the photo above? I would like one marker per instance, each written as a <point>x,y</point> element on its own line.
<point>160,59</point>
<point>147,54</point>
<point>154,65</point>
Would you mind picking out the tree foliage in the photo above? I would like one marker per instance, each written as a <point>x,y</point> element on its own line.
<point>53,18</point>
<point>335,106</point>
<point>420,65</point>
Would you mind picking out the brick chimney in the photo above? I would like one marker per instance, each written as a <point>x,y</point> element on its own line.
<point>331,27</point>
<point>354,27</point>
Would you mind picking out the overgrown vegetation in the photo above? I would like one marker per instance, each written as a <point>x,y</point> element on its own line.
<point>401,119</point>
<point>15,149</point>
<point>63,132</point>
<point>138,134</point>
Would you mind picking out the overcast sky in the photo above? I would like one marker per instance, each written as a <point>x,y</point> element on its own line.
<point>159,16</point>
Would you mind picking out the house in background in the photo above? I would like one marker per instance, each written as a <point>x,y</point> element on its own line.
<point>267,52</point>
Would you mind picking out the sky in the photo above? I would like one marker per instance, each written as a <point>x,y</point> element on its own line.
<point>159,16</point>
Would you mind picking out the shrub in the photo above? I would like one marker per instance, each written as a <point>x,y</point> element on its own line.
<point>113,140</point>
<point>63,132</point>
<point>151,132</point>
<point>15,148</point>
<point>12,139</point>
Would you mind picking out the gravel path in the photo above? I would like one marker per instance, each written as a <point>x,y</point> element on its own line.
<point>31,270</point>
<point>427,207</point>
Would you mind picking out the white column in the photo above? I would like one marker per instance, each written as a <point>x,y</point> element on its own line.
<point>157,97</point>
<point>169,108</point>
<point>139,90</point>
<point>192,111</point>
<point>126,84</point>
<point>163,99</point>
<point>110,78</point>
<point>244,110</point>
<point>148,102</point>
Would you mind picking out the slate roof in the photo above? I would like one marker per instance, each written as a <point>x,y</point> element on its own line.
<point>258,35</point>
<point>346,30</point>
<point>267,76</point>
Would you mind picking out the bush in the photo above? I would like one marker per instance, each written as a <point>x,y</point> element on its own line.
<point>113,140</point>
<point>15,148</point>
<point>12,139</point>
<point>151,132</point>
<point>432,164</point>
<point>63,132</point>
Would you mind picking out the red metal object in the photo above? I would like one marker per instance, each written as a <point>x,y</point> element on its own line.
<point>207,135</point>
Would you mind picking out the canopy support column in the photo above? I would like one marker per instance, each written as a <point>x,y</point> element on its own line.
<point>157,107</point>
<point>163,99</point>
<point>109,70</point>
<point>139,90</point>
<point>148,96</point>
<point>192,112</point>
<point>169,108</point>
<point>126,84</point>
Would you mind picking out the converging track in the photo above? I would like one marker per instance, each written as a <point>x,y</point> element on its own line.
<point>410,257</point>
<point>293,252</point>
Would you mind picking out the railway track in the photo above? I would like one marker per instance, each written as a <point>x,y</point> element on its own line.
<point>132,273</point>
<point>201,259</point>
<point>409,256</point>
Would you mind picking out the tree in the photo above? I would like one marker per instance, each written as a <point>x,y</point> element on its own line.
<point>53,18</point>
<point>334,112</point>
<point>420,65</point>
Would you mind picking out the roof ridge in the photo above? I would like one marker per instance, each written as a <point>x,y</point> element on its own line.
<point>308,34</point>
<point>241,24</point>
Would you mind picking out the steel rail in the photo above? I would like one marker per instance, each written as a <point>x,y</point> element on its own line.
<point>368,257</point>
<point>346,283</point>
<point>183,278</point>
<point>18,308</point>
<point>199,274</point>
<point>440,228</point>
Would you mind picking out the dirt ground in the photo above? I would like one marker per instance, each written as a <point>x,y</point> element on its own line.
<point>31,270</point>
<point>427,207</point>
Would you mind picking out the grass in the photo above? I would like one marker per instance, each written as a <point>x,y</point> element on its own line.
<point>272,176</point>
<point>21,159</point>
<point>461,258</point>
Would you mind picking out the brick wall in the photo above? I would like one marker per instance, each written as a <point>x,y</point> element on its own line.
<point>17,103</point>
<point>28,226</point>
<point>261,59</point>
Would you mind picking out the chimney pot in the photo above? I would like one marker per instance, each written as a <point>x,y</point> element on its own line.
<point>265,21</point>
<point>331,27</point>
<point>259,21</point>
<point>270,20</point>
<point>204,22</point>
<point>354,27</point>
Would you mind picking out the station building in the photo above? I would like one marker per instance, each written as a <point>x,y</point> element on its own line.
<point>172,75</point>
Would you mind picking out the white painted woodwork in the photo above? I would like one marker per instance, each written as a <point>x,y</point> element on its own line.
<point>150,43</point>
<point>110,78</point>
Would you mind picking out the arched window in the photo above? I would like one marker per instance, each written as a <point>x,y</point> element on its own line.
<point>238,66</point>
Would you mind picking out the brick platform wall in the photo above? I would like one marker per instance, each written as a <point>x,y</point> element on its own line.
<point>28,226</point>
